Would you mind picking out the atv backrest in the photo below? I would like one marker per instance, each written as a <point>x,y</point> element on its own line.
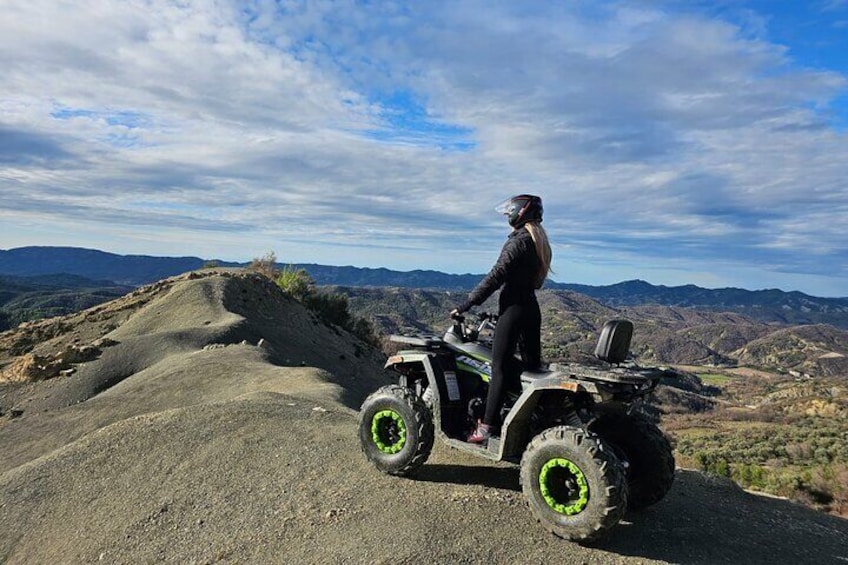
<point>614,341</point>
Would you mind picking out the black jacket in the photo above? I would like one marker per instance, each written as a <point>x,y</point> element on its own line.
<point>515,270</point>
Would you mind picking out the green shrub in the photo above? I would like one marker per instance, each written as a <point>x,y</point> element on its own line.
<point>365,331</point>
<point>296,283</point>
<point>331,308</point>
<point>713,463</point>
<point>749,476</point>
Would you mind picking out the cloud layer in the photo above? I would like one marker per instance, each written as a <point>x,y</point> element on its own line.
<point>676,146</point>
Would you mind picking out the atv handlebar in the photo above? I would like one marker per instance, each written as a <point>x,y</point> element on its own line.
<point>482,316</point>
<point>487,321</point>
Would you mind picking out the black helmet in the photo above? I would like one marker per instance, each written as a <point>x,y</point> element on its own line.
<point>521,209</point>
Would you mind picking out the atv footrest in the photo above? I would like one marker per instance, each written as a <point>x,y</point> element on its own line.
<point>493,446</point>
<point>489,451</point>
<point>530,376</point>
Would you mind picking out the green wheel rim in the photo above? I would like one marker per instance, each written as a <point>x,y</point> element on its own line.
<point>563,486</point>
<point>388,431</point>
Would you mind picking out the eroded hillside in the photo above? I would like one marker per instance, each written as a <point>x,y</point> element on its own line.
<point>183,321</point>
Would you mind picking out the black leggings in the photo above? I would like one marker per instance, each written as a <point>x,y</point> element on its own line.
<point>518,323</point>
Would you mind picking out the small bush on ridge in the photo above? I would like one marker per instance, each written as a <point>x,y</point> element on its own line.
<point>331,308</point>
<point>265,265</point>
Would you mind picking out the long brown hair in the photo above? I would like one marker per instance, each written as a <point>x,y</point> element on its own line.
<point>543,250</point>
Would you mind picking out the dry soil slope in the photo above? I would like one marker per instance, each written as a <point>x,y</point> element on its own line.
<point>174,351</point>
<point>190,453</point>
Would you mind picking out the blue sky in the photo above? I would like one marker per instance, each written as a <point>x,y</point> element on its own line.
<point>672,141</point>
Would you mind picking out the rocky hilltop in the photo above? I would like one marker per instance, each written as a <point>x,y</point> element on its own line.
<point>210,418</point>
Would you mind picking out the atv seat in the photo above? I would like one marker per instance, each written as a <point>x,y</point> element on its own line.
<point>471,348</point>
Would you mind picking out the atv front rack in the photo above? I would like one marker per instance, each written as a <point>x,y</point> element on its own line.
<point>419,340</point>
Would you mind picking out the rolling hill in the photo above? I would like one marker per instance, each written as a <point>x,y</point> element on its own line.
<point>763,305</point>
<point>663,334</point>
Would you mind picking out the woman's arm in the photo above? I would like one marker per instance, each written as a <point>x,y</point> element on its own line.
<point>496,277</point>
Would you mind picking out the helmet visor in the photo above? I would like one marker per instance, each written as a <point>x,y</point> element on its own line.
<point>507,207</point>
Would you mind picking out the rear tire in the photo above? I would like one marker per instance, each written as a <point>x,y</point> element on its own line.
<point>649,457</point>
<point>395,430</point>
<point>574,485</point>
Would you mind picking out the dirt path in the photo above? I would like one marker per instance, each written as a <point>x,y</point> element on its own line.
<point>269,478</point>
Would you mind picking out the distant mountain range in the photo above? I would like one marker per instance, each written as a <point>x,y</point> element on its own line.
<point>133,270</point>
<point>763,305</point>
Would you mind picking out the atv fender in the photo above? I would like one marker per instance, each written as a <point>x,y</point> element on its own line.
<point>516,432</point>
<point>403,360</point>
<point>404,357</point>
<point>436,376</point>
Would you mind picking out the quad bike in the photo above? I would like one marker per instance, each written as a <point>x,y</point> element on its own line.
<point>585,454</point>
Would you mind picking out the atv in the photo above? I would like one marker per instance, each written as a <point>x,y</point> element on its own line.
<point>586,453</point>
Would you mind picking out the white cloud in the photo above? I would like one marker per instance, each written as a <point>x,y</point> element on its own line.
<point>654,136</point>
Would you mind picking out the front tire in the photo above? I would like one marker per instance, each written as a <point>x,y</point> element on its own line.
<point>650,461</point>
<point>574,485</point>
<point>395,430</point>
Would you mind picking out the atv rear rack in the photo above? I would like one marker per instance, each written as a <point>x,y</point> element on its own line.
<point>618,375</point>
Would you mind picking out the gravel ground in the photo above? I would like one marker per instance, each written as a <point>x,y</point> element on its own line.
<point>271,478</point>
<point>207,451</point>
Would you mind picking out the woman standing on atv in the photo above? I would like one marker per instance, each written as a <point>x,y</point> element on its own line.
<point>522,267</point>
